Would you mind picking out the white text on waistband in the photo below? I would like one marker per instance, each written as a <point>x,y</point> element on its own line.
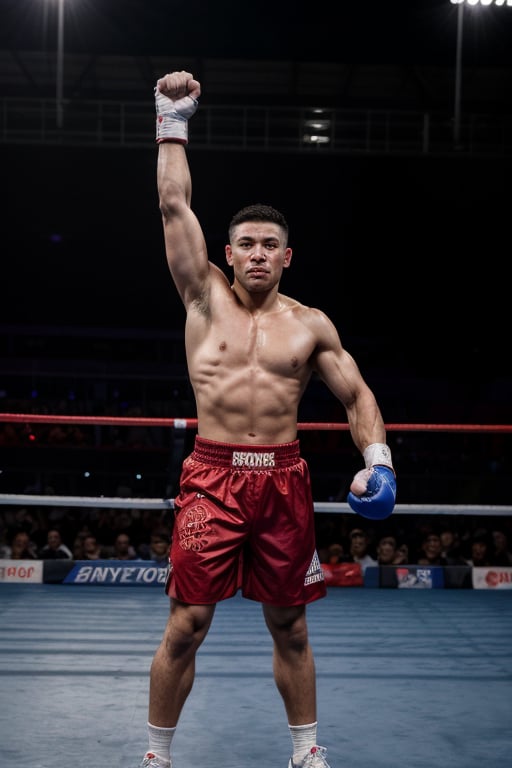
<point>253,459</point>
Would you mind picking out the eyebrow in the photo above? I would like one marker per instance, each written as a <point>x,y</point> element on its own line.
<point>266,239</point>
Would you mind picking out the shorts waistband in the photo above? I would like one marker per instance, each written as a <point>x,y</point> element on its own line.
<point>246,456</point>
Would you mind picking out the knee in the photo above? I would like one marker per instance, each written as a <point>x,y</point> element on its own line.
<point>289,629</point>
<point>184,633</point>
<point>177,643</point>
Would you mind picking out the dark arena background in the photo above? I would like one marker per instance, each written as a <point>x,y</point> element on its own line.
<point>383,131</point>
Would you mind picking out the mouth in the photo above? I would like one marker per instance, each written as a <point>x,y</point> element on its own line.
<point>257,272</point>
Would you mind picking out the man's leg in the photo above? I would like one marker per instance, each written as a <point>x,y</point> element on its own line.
<point>294,666</point>
<point>173,666</point>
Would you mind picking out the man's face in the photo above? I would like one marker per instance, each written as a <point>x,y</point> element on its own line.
<point>358,543</point>
<point>386,550</point>
<point>258,254</point>
<point>54,539</point>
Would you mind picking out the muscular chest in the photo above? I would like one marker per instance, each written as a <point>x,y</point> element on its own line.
<point>270,343</point>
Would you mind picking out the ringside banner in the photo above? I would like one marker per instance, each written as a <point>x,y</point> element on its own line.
<point>114,573</point>
<point>492,578</point>
<point>22,571</point>
<point>412,576</point>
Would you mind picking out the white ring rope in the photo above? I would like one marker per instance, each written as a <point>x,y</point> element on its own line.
<point>332,507</point>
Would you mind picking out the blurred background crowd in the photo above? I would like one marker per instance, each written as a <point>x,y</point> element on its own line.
<point>28,533</point>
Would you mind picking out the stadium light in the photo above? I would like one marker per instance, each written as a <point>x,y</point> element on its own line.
<point>317,127</point>
<point>458,57</point>
<point>60,63</point>
<point>59,90</point>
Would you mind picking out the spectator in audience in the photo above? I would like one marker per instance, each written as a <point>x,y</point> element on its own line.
<point>359,546</point>
<point>78,547</point>
<point>21,547</point>
<point>78,543</point>
<point>502,555</point>
<point>92,550</point>
<point>402,554</point>
<point>387,552</point>
<point>431,550</point>
<point>122,549</point>
<point>158,548</point>
<point>55,549</point>
<point>450,546</point>
<point>481,549</point>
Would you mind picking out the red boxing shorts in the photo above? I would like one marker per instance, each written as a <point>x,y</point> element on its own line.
<point>244,519</point>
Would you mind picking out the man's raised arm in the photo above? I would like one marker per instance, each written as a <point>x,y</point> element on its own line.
<point>176,100</point>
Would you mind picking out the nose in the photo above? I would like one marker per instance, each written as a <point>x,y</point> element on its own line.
<point>258,253</point>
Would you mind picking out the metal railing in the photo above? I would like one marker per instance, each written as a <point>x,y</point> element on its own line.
<point>129,124</point>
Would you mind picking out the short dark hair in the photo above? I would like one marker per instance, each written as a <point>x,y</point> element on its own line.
<point>258,212</point>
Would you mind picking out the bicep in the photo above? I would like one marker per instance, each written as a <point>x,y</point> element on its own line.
<point>186,254</point>
<point>335,366</point>
<point>339,371</point>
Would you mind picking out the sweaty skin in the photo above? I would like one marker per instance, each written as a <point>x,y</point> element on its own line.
<point>251,350</point>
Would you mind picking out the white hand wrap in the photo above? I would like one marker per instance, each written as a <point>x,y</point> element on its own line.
<point>172,117</point>
<point>377,453</point>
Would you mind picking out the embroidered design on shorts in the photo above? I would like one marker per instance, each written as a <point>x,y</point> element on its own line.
<point>315,572</point>
<point>194,527</point>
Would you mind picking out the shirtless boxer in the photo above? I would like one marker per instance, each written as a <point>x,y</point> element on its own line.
<point>244,517</point>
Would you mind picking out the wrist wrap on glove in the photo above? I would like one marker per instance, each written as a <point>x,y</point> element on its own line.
<point>375,485</point>
<point>377,453</point>
<point>172,117</point>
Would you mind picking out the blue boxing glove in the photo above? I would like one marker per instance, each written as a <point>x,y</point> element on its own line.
<point>373,490</point>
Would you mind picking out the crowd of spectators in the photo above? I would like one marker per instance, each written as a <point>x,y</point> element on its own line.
<point>37,533</point>
<point>418,540</point>
<point>129,534</point>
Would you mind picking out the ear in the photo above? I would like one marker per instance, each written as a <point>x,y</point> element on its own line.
<point>229,255</point>
<point>287,258</point>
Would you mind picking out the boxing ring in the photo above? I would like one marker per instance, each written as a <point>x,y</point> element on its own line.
<point>413,678</point>
<point>419,677</point>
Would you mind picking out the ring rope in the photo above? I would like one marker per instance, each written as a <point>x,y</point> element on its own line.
<point>191,423</point>
<point>331,507</point>
<point>179,423</point>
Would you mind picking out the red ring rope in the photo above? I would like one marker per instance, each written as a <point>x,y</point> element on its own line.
<point>132,421</point>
